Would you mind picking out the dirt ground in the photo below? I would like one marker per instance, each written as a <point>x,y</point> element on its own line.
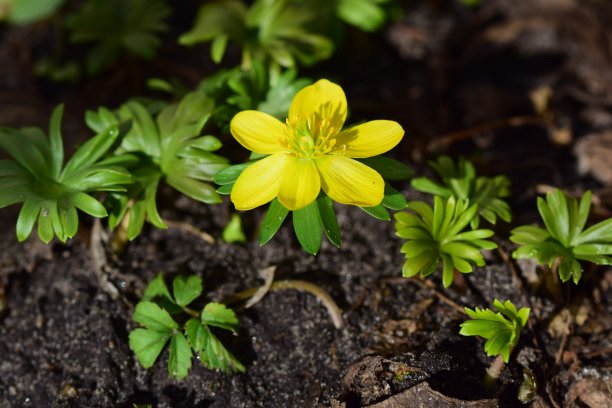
<point>521,88</point>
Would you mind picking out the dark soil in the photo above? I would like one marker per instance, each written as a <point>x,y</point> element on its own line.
<point>459,80</point>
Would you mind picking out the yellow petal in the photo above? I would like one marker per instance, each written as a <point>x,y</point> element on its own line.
<point>321,100</point>
<point>348,181</point>
<point>301,184</point>
<point>369,139</point>
<point>258,131</point>
<point>259,183</point>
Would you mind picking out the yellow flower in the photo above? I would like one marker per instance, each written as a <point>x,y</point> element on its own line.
<point>310,152</point>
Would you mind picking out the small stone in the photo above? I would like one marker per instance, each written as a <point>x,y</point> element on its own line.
<point>68,391</point>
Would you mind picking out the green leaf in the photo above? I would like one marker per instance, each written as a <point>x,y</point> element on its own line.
<point>207,143</point>
<point>306,225</point>
<point>217,48</point>
<point>393,199</point>
<point>427,186</point>
<point>272,221</point>
<point>91,151</point>
<point>233,230</point>
<point>368,15</point>
<point>501,329</point>
<point>27,218</point>
<point>186,289</point>
<point>55,141</point>
<point>196,334</point>
<point>147,345</point>
<point>230,174</point>
<point>329,222</point>
<point>225,189</point>
<point>157,288</point>
<point>601,232</point>
<point>137,216</point>
<point>378,212</point>
<point>218,315</point>
<point>30,154</point>
<point>179,361</point>
<point>195,189</point>
<point>69,220</point>
<point>88,204</point>
<point>45,227</point>
<point>389,169</point>
<point>435,236</point>
<point>215,356</point>
<point>153,317</point>
<point>564,238</point>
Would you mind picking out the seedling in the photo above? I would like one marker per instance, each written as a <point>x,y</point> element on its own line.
<point>115,26</point>
<point>564,241</point>
<point>437,235</point>
<point>274,31</point>
<point>169,148</point>
<point>459,179</point>
<point>502,330</point>
<point>308,162</point>
<point>50,191</point>
<point>157,312</point>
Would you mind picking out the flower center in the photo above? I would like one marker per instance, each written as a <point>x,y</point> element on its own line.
<point>309,138</point>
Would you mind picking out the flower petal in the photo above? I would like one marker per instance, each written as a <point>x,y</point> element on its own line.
<point>301,184</point>
<point>324,100</point>
<point>348,181</point>
<point>258,131</point>
<point>259,183</point>
<point>369,139</point>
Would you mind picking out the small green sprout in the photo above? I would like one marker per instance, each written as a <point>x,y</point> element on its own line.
<point>233,230</point>
<point>155,312</point>
<point>435,236</point>
<point>116,26</point>
<point>461,181</point>
<point>565,240</point>
<point>169,148</point>
<point>274,31</point>
<point>501,329</point>
<point>50,191</point>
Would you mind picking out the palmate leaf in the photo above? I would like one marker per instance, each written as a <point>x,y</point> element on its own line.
<point>459,179</point>
<point>435,236</point>
<point>195,337</point>
<point>135,24</point>
<point>51,191</point>
<point>501,329</point>
<point>565,238</point>
<point>168,148</point>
